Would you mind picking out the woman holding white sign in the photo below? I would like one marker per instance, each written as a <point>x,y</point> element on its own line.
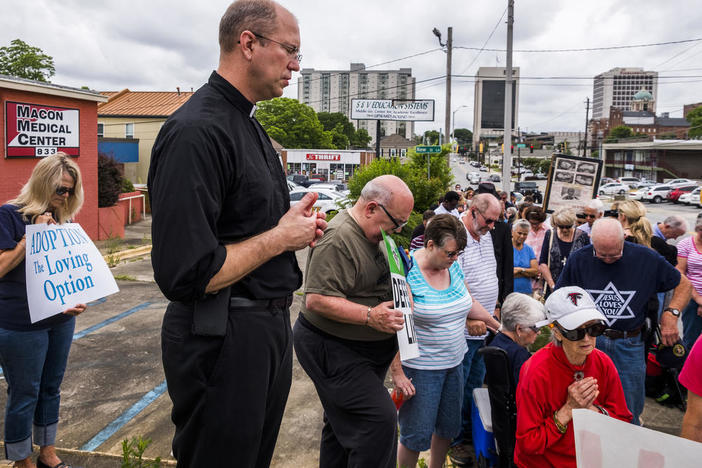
<point>434,382</point>
<point>34,355</point>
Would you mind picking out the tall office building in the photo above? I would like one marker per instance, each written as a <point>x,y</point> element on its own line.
<point>489,104</point>
<point>332,91</point>
<point>616,88</point>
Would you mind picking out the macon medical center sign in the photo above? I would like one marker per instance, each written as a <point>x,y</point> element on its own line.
<point>33,130</point>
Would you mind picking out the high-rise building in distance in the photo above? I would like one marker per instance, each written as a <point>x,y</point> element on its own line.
<point>332,91</point>
<point>489,104</point>
<point>617,87</point>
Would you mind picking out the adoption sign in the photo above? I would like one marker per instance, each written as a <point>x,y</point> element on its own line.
<point>605,442</point>
<point>388,109</point>
<point>63,268</point>
<point>34,130</point>
<point>407,337</point>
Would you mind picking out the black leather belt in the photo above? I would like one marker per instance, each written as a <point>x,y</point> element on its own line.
<point>280,302</point>
<point>617,334</point>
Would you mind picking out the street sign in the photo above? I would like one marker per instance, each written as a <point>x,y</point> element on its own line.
<point>521,145</point>
<point>428,149</point>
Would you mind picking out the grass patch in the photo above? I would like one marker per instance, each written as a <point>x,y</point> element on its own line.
<point>125,278</point>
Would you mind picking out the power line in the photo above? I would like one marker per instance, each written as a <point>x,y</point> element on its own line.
<point>585,49</point>
<point>487,40</point>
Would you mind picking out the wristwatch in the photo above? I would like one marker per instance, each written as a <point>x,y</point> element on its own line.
<point>675,312</point>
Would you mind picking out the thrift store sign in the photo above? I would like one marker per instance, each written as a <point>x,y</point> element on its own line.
<point>407,337</point>
<point>33,130</point>
<point>63,268</point>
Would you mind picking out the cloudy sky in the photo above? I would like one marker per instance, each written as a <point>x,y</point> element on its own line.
<point>159,45</point>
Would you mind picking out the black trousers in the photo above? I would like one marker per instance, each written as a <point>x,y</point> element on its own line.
<point>228,393</point>
<point>360,419</point>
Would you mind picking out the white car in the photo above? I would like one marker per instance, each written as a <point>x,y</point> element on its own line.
<point>680,182</point>
<point>338,188</point>
<point>657,193</point>
<point>613,188</point>
<point>327,202</point>
<point>293,186</point>
<point>473,178</point>
<point>632,182</point>
<point>692,198</point>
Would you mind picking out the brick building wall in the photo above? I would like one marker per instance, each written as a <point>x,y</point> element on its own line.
<point>15,171</point>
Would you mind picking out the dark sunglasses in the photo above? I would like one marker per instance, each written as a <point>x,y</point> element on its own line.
<point>579,333</point>
<point>64,190</point>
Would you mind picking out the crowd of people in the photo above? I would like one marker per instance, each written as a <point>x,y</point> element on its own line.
<point>600,313</point>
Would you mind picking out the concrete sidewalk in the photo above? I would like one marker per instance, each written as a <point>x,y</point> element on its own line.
<point>116,361</point>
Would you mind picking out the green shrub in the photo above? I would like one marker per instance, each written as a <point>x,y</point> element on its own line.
<point>127,185</point>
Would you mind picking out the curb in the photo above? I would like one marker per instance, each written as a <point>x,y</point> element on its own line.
<point>127,254</point>
<point>91,459</point>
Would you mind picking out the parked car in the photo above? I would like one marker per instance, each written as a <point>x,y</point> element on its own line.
<point>614,188</point>
<point>679,182</point>
<point>674,195</point>
<point>494,178</point>
<point>293,186</point>
<point>657,193</point>
<point>639,193</point>
<point>483,169</point>
<point>606,180</point>
<point>529,188</point>
<point>462,161</point>
<point>691,198</point>
<point>329,201</point>
<point>632,182</point>
<point>335,186</point>
<point>475,163</point>
<point>297,178</point>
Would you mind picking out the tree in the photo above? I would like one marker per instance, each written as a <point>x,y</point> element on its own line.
<point>463,136</point>
<point>621,131</point>
<point>336,120</point>
<point>293,124</point>
<point>24,61</point>
<point>432,137</point>
<point>695,119</point>
<point>361,139</point>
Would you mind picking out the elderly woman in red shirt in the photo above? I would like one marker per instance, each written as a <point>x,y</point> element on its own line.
<point>567,374</point>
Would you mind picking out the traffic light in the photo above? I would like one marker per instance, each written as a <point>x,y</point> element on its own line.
<point>511,147</point>
<point>531,148</point>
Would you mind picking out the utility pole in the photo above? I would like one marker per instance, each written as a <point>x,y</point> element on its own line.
<point>587,118</point>
<point>449,49</point>
<point>507,140</point>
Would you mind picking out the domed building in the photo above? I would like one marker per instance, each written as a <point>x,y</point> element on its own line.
<point>643,101</point>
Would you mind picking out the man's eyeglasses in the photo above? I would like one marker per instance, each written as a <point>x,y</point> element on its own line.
<point>64,190</point>
<point>292,51</point>
<point>607,257</point>
<point>487,220</point>
<point>452,253</point>
<point>589,215</point>
<point>398,225</point>
<point>578,334</point>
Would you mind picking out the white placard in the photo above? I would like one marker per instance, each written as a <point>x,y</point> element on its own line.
<point>36,130</point>
<point>604,442</point>
<point>407,336</point>
<point>388,109</point>
<point>63,268</point>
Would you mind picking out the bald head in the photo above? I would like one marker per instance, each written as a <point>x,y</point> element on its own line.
<point>486,202</point>
<point>608,239</point>
<point>386,188</point>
